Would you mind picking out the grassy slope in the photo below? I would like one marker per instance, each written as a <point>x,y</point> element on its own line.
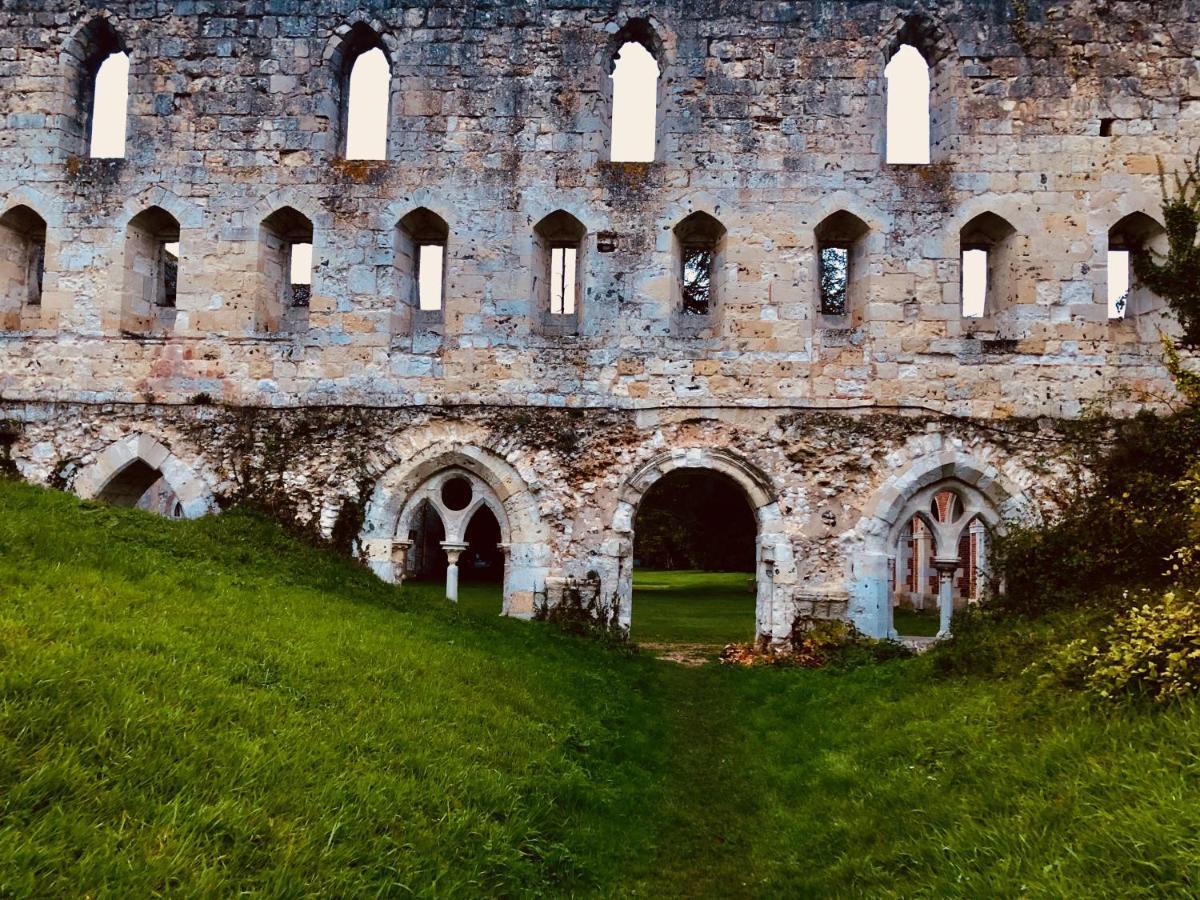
<point>209,706</point>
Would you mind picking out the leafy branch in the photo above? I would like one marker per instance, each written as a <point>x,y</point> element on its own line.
<point>1175,276</point>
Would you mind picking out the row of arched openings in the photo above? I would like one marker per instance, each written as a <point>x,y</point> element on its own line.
<point>364,89</point>
<point>989,248</point>
<point>691,520</point>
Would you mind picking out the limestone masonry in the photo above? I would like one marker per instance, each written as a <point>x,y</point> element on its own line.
<point>346,407</point>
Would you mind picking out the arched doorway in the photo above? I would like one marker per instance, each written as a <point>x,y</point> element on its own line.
<point>694,556</point>
<point>774,571</point>
<point>451,532</point>
<point>938,561</point>
<point>495,484</point>
<point>144,487</point>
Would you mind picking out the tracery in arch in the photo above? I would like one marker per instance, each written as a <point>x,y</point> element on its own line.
<point>938,557</point>
<point>452,527</point>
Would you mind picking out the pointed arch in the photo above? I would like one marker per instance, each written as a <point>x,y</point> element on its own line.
<point>152,257</point>
<point>140,461</point>
<point>841,245</point>
<point>285,264</point>
<point>361,57</point>
<point>635,66</point>
<point>499,486</point>
<point>774,565</point>
<point>96,58</point>
<point>991,491</point>
<point>918,87</point>
<point>558,267</point>
<point>986,255</point>
<point>1133,233</point>
<point>422,239</point>
<point>699,251</point>
<point>22,266</point>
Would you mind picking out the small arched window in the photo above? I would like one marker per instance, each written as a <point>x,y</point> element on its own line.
<point>285,265</point>
<point>699,245</point>
<point>907,75</point>
<point>1134,233</point>
<point>985,248</point>
<point>152,255</point>
<point>557,267</point>
<point>840,263</point>
<point>421,240</point>
<point>366,85</point>
<point>22,264</point>
<point>634,72</point>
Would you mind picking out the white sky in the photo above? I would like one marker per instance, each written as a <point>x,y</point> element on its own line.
<point>301,264</point>
<point>635,98</point>
<point>111,108</point>
<point>366,125</point>
<point>430,268</point>
<point>974,282</point>
<point>907,76</point>
<point>635,104</point>
<point>1118,281</point>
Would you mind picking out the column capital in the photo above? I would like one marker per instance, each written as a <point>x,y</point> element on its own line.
<point>946,566</point>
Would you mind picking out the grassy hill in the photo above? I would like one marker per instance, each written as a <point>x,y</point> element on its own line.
<point>209,707</point>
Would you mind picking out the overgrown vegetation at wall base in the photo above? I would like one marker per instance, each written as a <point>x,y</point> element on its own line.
<point>209,708</point>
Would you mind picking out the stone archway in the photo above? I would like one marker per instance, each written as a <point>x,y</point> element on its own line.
<point>774,566</point>
<point>126,469</point>
<point>403,488</point>
<point>988,493</point>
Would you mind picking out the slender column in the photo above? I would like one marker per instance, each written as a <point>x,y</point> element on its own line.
<point>400,560</point>
<point>921,549</point>
<point>980,556</point>
<point>453,550</point>
<point>505,548</point>
<point>945,569</point>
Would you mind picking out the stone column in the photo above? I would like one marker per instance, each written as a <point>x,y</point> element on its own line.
<point>453,550</point>
<point>400,560</point>
<point>980,534</point>
<point>506,549</point>
<point>945,569</point>
<point>921,567</point>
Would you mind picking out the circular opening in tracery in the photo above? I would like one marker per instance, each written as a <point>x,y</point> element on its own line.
<point>456,493</point>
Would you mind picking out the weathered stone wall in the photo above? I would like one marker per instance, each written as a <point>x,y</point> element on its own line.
<point>822,484</point>
<point>771,120</point>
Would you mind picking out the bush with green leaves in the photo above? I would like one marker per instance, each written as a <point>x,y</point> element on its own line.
<point>1175,276</point>
<point>1151,650</point>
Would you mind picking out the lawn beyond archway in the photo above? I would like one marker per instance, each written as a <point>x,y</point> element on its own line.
<point>693,607</point>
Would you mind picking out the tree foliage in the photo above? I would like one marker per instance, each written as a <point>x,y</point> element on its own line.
<point>692,519</point>
<point>1176,276</point>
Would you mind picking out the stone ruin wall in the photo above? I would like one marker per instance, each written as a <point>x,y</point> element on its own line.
<point>771,119</point>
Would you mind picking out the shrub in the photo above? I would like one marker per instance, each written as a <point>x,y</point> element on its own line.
<point>1151,650</point>
<point>813,643</point>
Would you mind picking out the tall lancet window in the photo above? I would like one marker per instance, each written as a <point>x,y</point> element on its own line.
<point>367,106</point>
<point>109,107</point>
<point>907,75</point>
<point>634,104</point>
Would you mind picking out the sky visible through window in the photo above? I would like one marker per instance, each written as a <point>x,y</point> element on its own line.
<point>366,128</point>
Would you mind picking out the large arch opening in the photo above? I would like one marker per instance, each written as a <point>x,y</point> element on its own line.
<point>695,540</point>
<point>938,559</point>
<point>452,533</point>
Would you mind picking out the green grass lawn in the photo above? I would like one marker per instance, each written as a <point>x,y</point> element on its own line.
<point>210,708</point>
<point>916,623</point>
<point>689,607</point>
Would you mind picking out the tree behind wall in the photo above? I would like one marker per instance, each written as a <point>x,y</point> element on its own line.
<point>693,519</point>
